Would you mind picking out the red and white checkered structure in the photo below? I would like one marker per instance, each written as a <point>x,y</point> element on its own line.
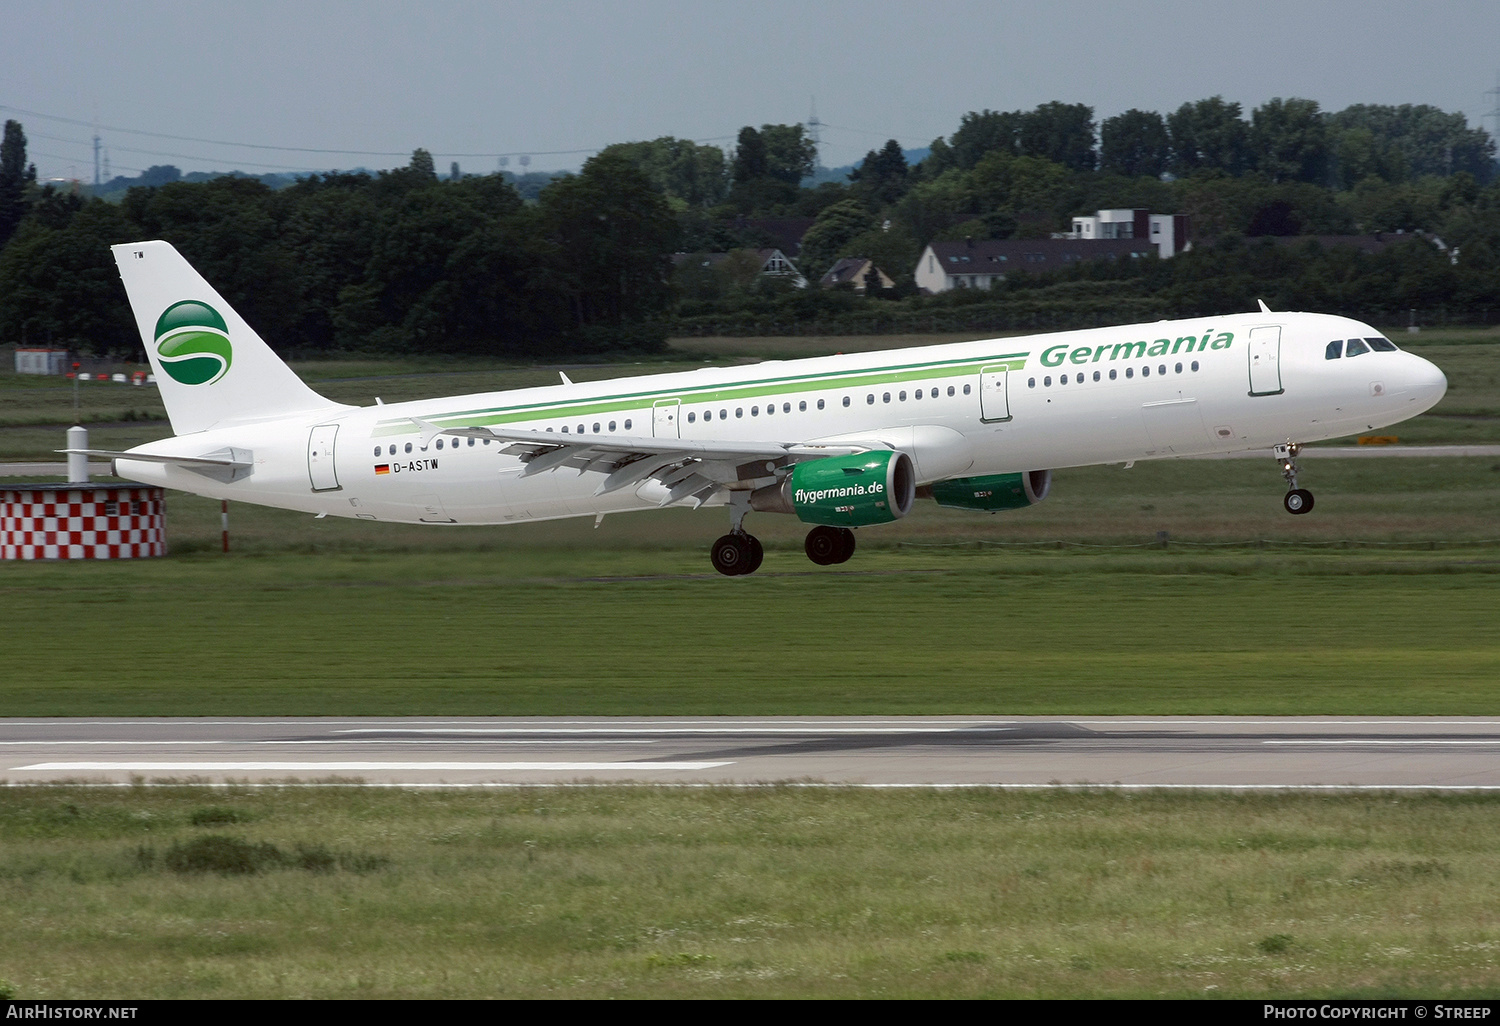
<point>80,522</point>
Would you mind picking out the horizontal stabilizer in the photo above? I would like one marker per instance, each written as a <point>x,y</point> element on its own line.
<point>227,464</point>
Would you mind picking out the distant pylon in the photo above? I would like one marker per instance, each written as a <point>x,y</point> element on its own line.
<point>96,160</point>
<point>814,129</point>
<point>1495,111</point>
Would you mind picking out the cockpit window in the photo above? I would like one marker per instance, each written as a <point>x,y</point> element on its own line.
<point>1356,347</point>
<point>1335,349</point>
<point>1382,345</point>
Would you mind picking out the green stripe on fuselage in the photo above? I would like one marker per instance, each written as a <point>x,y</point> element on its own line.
<point>727,392</point>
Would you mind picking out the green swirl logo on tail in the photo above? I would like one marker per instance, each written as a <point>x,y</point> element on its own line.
<point>193,343</point>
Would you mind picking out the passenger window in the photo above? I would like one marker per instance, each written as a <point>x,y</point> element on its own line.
<point>902,397</point>
<point>1047,381</point>
<point>1062,379</point>
<point>870,399</point>
<point>393,450</point>
<point>755,411</point>
<point>691,416</point>
<point>1145,372</point>
<point>934,393</point>
<point>1356,347</point>
<point>820,404</point>
<point>950,390</point>
<point>723,414</point>
<point>408,447</point>
<point>1179,368</point>
<point>1162,369</point>
<point>1096,375</point>
<point>627,428</point>
<point>787,407</point>
<point>1335,350</point>
<point>846,400</point>
<point>377,450</point>
<point>802,406</point>
<point>1382,345</point>
<point>966,390</point>
<point>708,414</point>
<point>1195,365</point>
<point>1031,382</point>
<point>439,443</point>
<point>1080,377</point>
<point>917,394</point>
<point>612,423</point>
<point>471,443</point>
<point>1113,374</point>
<point>581,429</point>
<point>1130,372</point>
<point>739,411</point>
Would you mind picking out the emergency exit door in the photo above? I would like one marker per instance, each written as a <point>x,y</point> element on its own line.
<point>994,394</point>
<point>320,469</point>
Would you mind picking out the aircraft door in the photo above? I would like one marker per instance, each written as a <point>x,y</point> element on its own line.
<point>320,468</point>
<point>1265,361</point>
<point>994,394</point>
<point>664,418</point>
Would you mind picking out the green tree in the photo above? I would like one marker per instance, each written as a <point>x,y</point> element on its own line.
<point>790,154</point>
<point>1134,143</point>
<point>981,133</point>
<point>60,285</point>
<point>830,233</point>
<point>611,236</point>
<point>16,176</point>
<point>750,159</point>
<point>1290,140</point>
<point>1060,132</point>
<point>679,168</point>
<point>1208,135</point>
<point>883,176</point>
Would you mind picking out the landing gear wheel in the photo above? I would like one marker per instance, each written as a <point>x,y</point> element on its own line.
<point>848,539</point>
<point>1298,501</point>
<point>733,555</point>
<point>757,554</point>
<point>829,545</point>
<point>825,545</point>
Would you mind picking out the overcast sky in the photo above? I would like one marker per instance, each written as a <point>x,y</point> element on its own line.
<point>471,81</point>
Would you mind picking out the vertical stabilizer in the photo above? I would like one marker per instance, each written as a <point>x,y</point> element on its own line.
<point>213,370</point>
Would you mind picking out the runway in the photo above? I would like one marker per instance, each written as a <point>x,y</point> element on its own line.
<point>1129,752</point>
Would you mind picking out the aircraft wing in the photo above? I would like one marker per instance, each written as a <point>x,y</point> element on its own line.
<point>687,468</point>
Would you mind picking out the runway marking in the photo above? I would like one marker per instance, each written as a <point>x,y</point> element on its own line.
<point>667,730</point>
<point>1385,741</point>
<point>350,741</point>
<point>350,767</point>
<point>760,785</point>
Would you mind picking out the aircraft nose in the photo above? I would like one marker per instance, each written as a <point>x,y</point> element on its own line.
<point>1427,383</point>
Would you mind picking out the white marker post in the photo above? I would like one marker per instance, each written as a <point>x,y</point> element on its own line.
<point>78,463</point>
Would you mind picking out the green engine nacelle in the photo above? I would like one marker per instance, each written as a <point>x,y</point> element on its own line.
<point>844,491</point>
<point>995,492</point>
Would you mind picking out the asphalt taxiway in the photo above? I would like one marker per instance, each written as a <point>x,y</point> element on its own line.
<point>1170,752</point>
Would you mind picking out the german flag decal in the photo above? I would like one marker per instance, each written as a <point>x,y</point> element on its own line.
<point>382,468</point>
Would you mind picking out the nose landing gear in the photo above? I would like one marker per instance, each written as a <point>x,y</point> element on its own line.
<point>1297,500</point>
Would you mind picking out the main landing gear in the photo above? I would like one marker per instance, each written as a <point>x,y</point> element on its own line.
<point>739,553</point>
<point>1298,500</point>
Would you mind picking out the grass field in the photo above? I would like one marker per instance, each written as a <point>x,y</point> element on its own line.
<point>780,892</point>
<point>1383,601</point>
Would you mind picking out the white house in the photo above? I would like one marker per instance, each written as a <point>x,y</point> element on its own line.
<point>979,264</point>
<point>1168,232</point>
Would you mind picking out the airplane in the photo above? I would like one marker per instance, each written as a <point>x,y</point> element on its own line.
<point>840,442</point>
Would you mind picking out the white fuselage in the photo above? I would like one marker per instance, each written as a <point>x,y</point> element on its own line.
<point>965,410</point>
